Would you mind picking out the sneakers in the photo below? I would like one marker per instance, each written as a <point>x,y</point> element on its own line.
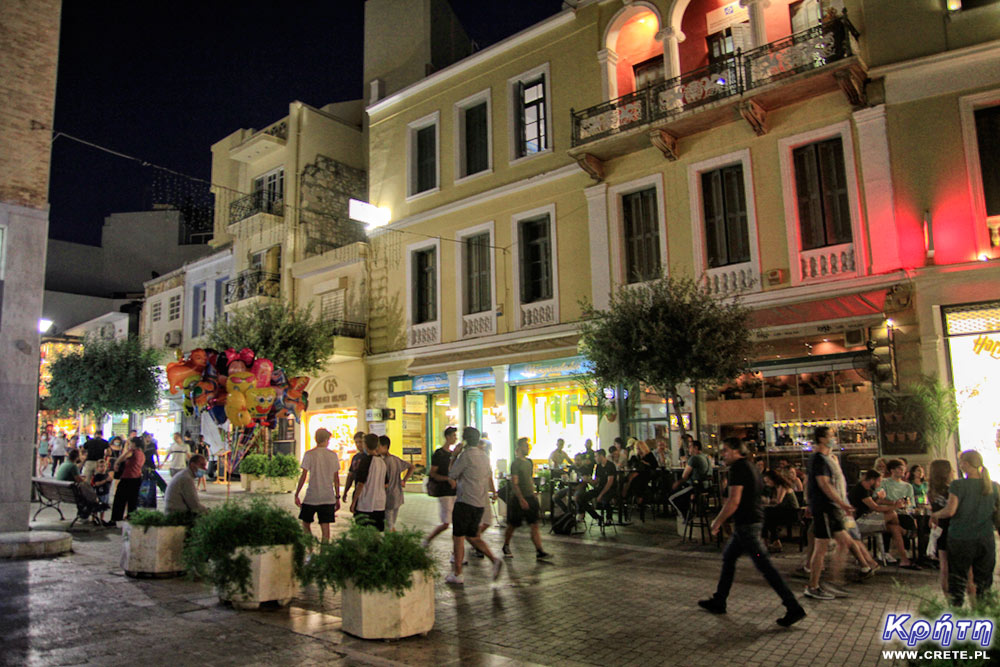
<point>478,553</point>
<point>453,579</point>
<point>425,542</point>
<point>836,591</point>
<point>791,617</point>
<point>452,561</point>
<point>819,594</point>
<point>542,555</point>
<point>712,605</point>
<point>507,553</point>
<point>497,566</point>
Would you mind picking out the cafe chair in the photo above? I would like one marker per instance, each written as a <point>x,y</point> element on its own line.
<point>697,516</point>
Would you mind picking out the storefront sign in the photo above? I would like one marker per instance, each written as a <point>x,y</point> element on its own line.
<point>548,370</point>
<point>373,415</point>
<point>430,383</point>
<point>478,377</point>
<point>412,451</point>
<point>985,344</point>
<point>327,393</point>
<point>726,16</point>
<point>415,404</point>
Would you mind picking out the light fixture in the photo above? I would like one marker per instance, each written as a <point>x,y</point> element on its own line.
<point>371,215</point>
<point>889,323</point>
<point>983,257</point>
<point>44,325</point>
<point>954,5</point>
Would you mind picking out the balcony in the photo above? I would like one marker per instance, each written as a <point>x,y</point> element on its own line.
<point>252,204</point>
<point>261,143</point>
<point>252,283</point>
<point>347,329</point>
<point>806,64</point>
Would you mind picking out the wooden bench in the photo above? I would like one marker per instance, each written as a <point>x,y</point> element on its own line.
<point>53,492</point>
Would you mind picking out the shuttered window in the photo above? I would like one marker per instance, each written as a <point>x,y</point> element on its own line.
<point>332,305</point>
<point>478,290</point>
<point>726,236</point>
<point>642,236</point>
<point>821,190</point>
<point>536,259</point>
<point>476,139</point>
<point>988,138</point>
<point>425,285</point>
<point>426,159</point>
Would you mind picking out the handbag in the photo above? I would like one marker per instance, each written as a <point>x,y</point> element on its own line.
<point>503,493</point>
<point>147,491</point>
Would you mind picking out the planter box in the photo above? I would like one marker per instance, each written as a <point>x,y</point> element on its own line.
<point>272,578</point>
<point>377,615</point>
<point>247,481</point>
<point>274,485</point>
<point>152,551</point>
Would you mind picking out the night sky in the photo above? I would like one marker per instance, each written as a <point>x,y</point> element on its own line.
<point>163,81</point>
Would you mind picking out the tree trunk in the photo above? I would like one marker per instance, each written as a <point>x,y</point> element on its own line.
<point>681,431</point>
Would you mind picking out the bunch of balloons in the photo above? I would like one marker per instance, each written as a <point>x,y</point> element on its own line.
<point>238,386</point>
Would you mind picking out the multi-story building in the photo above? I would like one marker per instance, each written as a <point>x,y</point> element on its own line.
<point>204,295</point>
<point>785,152</point>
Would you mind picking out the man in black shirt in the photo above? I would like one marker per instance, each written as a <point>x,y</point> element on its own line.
<point>745,507</point>
<point>439,485</point>
<point>604,482</point>
<point>523,506</point>
<point>93,452</point>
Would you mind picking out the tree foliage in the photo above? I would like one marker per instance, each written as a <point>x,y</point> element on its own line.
<point>930,408</point>
<point>665,334</point>
<point>289,336</point>
<point>105,377</point>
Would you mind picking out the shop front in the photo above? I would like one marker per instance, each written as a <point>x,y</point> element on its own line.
<point>972,332</point>
<point>334,404</point>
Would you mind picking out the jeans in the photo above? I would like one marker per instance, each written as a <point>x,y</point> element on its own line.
<point>980,555</point>
<point>746,540</point>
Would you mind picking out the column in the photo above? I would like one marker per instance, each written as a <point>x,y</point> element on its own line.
<point>600,266</point>
<point>455,398</point>
<point>501,440</point>
<point>671,38</point>
<point>876,176</point>
<point>758,27</point>
<point>608,60</point>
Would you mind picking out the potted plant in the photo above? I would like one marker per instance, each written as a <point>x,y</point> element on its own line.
<point>152,543</point>
<point>281,473</point>
<point>251,551</point>
<point>386,581</point>
<point>252,468</point>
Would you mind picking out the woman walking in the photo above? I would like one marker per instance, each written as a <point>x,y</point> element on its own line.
<point>970,532</point>
<point>127,491</point>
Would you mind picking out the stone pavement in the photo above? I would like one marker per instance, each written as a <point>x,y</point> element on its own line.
<point>625,600</point>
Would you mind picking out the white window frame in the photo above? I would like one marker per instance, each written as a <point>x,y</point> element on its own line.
<point>514,108</point>
<point>460,109</point>
<point>436,324</point>
<point>968,105</point>
<point>617,211</point>
<point>789,194</point>
<point>515,220</point>
<point>461,236</point>
<point>3,251</point>
<point>411,155</point>
<point>170,307</point>
<point>698,214</point>
<point>156,311</point>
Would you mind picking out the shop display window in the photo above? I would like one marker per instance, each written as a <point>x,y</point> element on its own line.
<point>342,425</point>
<point>549,412</point>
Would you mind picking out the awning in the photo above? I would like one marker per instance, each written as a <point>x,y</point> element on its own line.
<point>846,307</point>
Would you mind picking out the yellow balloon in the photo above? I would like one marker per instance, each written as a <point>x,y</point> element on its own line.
<point>260,400</point>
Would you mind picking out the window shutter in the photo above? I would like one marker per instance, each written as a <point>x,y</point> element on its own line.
<point>715,237</point>
<point>426,158</point>
<point>807,191</point>
<point>988,138</point>
<point>476,127</point>
<point>333,305</point>
<point>837,218</point>
<point>737,236</point>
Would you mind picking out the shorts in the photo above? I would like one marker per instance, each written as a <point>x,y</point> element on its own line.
<point>827,522</point>
<point>323,513</point>
<point>465,520</point>
<point>516,515</point>
<point>376,518</point>
<point>445,506</point>
<point>390,518</point>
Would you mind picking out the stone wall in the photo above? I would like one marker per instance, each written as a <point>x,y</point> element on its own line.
<point>326,187</point>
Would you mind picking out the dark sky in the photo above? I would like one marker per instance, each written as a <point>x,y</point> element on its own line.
<point>164,80</point>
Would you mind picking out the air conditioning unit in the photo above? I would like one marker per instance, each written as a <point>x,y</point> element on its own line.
<point>172,338</point>
<point>855,337</point>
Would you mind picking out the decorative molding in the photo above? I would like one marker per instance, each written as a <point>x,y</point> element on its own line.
<point>828,262</point>
<point>754,114</point>
<point>852,82</point>
<point>591,164</point>
<point>666,142</point>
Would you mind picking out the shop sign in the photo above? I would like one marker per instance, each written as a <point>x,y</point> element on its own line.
<point>327,393</point>
<point>726,16</point>
<point>548,370</point>
<point>985,344</point>
<point>430,383</point>
<point>412,451</point>
<point>478,377</point>
<point>415,404</point>
<point>373,415</point>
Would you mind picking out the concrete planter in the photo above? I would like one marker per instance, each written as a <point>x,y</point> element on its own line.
<point>378,615</point>
<point>273,485</point>
<point>272,578</point>
<point>247,481</point>
<point>152,551</point>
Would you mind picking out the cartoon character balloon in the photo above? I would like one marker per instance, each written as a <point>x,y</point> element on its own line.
<point>236,409</point>
<point>262,369</point>
<point>260,400</point>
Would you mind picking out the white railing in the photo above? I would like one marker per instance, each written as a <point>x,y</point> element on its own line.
<point>732,279</point>
<point>539,314</point>
<point>478,324</point>
<point>428,333</point>
<point>830,262</point>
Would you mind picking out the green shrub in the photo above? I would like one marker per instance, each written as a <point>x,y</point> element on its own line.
<point>933,606</point>
<point>282,465</point>
<point>371,560</point>
<point>253,464</point>
<point>148,517</point>
<point>209,552</point>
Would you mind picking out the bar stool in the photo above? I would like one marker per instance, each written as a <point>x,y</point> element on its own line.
<point>697,516</point>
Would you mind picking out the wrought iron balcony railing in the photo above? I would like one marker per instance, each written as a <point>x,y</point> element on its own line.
<point>251,283</point>
<point>743,72</point>
<point>252,204</point>
<point>347,329</point>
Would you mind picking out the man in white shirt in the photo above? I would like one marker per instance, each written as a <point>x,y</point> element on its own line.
<point>470,468</point>
<point>321,467</point>
<point>369,498</point>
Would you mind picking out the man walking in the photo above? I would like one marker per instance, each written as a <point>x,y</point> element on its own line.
<point>93,452</point>
<point>321,468</point>
<point>440,485</point>
<point>744,506</point>
<point>524,507</point>
<point>394,467</point>
<point>828,509</point>
<point>470,468</point>
<point>369,494</point>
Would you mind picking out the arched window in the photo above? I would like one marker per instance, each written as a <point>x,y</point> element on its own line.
<point>633,52</point>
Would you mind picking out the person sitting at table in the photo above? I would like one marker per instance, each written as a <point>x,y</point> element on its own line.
<point>559,459</point>
<point>661,453</point>
<point>781,508</point>
<point>896,488</point>
<point>602,492</point>
<point>696,473</point>
<point>919,483</point>
<point>878,516</point>
<point>642,465</point>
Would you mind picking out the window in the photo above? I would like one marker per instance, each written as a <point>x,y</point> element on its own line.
<point>804,14</point>
<point>156,311</point>
<point>536,259</point>
<point>268,261</point>
<point>332,305</point>
<point>530,113</point>
<point>423,155</point>
<point>726,238</point>
<point>474,154</point>
<point>640,228</point>
<point>425,285</point>
<point>478,276</point>
<point>988,140</point>
<point>821,193</point>
<point>648,72</point>
<point>270,190</point>
<point>174,308</point>
<point>200,311</point>
<point>220,291</point>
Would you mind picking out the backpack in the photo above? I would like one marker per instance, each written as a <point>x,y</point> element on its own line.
<point>564,524</point>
